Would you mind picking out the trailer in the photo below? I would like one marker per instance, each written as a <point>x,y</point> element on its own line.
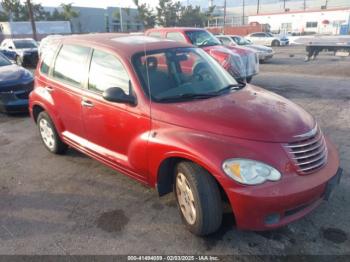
<point>341,49</point>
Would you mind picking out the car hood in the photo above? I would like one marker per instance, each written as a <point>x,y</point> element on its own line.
<point>226,50</point>
<point>250,113</point>
<point>241,50</point>
<point>260,48</point>
<point>12,74</point>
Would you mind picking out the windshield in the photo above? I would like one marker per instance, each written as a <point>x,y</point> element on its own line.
<point>241,40</point>
<point>202,38</point>
<point>179,74</point>
<point>4,61</point>
<point>21,44</point>
<point>269,34</point>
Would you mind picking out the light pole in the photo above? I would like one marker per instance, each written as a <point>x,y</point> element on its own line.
<point>224,16</point>
<point>31,18</point>
<point>243,10</point>
<point>121,19</point>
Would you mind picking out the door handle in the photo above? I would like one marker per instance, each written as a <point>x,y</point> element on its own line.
<point>87,103</point>
<point>49,89</point>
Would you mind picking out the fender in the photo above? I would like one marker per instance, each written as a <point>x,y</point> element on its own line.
<point>41,97</point>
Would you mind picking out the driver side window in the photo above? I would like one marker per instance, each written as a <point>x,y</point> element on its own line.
<point>107,71</point>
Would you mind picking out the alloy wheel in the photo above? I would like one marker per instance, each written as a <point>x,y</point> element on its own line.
<point>47,133</point>
<point>185,198</point>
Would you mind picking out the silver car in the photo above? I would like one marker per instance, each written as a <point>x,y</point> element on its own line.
<point>265,53</point>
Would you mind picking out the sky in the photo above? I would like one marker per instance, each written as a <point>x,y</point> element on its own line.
<point>94,3</point>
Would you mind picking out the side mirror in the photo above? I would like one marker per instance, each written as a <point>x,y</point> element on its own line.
<point>116,94</point>
<point>10,47</point>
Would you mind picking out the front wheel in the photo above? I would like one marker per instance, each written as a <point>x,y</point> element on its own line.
<point>49,134</point>
<point>198,198</point>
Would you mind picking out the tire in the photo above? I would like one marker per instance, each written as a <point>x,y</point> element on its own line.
<point>202,198</point>
<point>275,43</point>
<point>19,61</point>
<point>49,135</point>
<point>249,79</point>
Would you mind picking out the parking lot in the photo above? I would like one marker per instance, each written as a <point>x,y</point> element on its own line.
<point>72,204</point>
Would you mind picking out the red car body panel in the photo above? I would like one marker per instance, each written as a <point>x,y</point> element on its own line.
<point>251,123</point>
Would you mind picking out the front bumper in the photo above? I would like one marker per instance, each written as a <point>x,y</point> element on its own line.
<point>263,56</point>
<point>14,102</point>
<point>275,204</point>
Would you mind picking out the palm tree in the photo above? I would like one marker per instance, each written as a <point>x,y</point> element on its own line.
<point>68,13</point>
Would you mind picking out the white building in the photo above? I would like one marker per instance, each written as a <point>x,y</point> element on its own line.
<point>42,27</point>
<point>327,21</point>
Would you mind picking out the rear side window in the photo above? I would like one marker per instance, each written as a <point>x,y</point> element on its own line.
<point>48,56</point>
<point>70,65</point>
<point>107,71</point>
<point>176,36</point>
<point>155,34</point>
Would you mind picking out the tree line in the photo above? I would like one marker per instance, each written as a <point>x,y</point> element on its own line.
<point>16,11</point>
<point>167,13</point>
<point>172,13</point>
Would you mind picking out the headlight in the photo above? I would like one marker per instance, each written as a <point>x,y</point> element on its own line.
<point>250,172</point>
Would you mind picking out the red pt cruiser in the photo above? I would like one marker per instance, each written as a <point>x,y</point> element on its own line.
<point>168,115</point>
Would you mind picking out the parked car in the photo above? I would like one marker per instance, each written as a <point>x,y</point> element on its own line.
<point>166,114</point>
<point>11,55</point>
<point>268,39</point>
<point>15,85</point>
<point>265,53</point>
<point>241,63</point>
<point>26,50</point>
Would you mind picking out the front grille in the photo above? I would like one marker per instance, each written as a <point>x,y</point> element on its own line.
<point>310,153</point>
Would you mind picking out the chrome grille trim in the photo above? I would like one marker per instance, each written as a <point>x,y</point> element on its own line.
<point>309,153</point>
<point>315,140</point>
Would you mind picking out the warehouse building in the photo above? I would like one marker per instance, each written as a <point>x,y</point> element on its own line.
<point>329,21</point>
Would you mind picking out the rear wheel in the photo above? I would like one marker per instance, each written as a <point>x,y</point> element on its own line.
<point>275,43</point>
<point>198,198</point>
<point>49,135</point>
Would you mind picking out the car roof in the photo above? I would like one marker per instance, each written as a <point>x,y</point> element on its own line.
<point>175,29</point>
<point>16,39</point>
<point>123,44</point>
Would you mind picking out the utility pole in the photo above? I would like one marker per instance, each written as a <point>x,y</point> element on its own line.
<point>258,7</point>
<point>31,18</point>
<point>243,10</point>
<point>284,5</point>
<point>304,5</point>
<point>121,19</point>
<point>224,16</point>
<point>326,4</point>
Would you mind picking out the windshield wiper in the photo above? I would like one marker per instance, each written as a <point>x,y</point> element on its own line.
<point>231,87</point>
<point>187,96</point>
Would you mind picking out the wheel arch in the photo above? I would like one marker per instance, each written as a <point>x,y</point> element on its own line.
<point>165,174</point>
<point>37,109</point>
